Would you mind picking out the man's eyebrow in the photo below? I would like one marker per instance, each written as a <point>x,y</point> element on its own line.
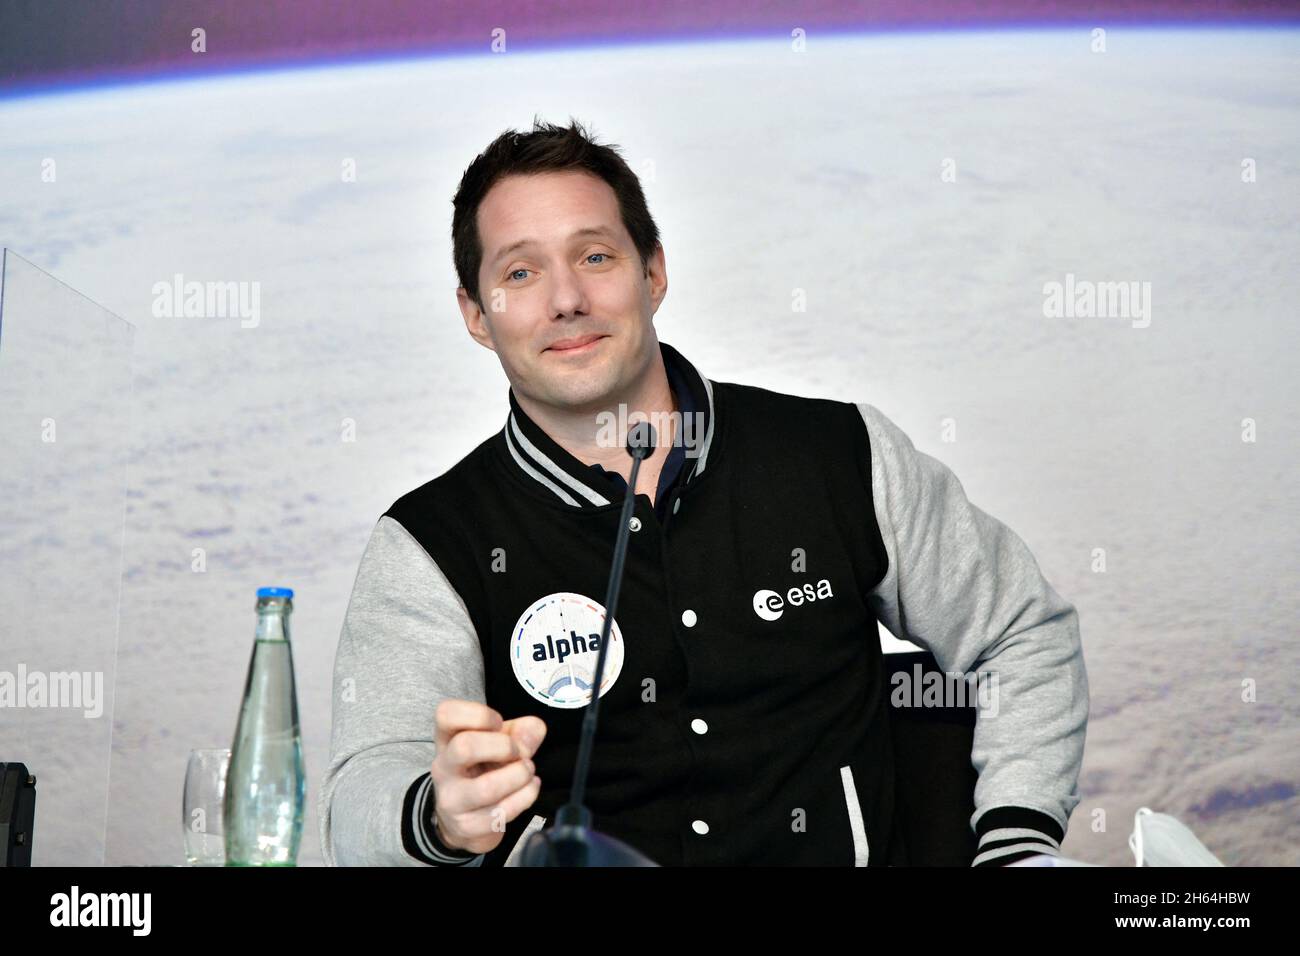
<point>589,231</point>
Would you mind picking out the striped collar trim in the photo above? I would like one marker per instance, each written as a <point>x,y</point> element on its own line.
<point>540,459</point>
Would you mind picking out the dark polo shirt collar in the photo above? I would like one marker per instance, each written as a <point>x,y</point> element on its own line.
<point>672,468</point>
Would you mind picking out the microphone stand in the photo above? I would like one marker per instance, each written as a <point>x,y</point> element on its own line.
<point>571,840</point>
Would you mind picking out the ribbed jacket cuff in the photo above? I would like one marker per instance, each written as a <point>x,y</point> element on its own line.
<point>418,835</point>
<point>1007,834</point>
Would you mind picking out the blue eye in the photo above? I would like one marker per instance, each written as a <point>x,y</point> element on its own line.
<point>510,276</point>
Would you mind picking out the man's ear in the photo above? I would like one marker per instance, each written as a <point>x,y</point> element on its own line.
<point>476,322</point>
<point>656,275</point>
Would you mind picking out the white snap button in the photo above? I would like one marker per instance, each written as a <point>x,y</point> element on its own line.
<point>688,618</point>
<point>699,726</point>
<point>634,523</point>
<point>676,505</point>
<point>700,827</point>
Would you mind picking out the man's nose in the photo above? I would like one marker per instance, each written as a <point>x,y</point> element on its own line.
<point>567,294</point>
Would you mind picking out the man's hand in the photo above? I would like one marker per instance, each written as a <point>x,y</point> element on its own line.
<point>483,773</point>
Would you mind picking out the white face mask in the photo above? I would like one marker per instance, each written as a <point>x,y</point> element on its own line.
<point>1160,840</point>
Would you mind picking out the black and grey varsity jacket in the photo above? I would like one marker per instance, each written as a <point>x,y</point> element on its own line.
<point>743,712</point>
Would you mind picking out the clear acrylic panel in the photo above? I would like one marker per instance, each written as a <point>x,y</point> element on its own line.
<point>65,417</point>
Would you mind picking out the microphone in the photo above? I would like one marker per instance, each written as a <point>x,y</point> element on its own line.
<point>571,840</point>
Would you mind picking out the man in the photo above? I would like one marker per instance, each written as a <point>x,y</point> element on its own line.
<point>744,710</point>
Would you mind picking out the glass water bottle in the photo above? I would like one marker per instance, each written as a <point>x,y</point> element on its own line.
<point>266,785</point>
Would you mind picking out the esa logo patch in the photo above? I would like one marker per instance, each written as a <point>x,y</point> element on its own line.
<point>553,651</point>
<point>769,605</point>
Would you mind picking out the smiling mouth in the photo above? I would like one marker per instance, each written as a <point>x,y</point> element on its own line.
<point>582,344</point>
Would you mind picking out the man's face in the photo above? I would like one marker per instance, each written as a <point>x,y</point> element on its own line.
<point>559,269</point>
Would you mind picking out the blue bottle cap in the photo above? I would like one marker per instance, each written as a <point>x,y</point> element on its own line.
<point>275,592</point>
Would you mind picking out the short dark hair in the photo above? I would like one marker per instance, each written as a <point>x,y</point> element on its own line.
<point>547,148</point>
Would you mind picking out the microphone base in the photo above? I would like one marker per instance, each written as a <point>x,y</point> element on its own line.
<point>577,844</point>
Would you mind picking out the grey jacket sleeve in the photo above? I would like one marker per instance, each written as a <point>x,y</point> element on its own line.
<point>965,587</point>
<point>407,643</point>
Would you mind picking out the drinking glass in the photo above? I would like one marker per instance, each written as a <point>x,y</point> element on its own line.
<point>205,793</point>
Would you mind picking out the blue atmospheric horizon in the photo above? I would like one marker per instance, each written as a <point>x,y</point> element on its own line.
<point>74,84</point>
